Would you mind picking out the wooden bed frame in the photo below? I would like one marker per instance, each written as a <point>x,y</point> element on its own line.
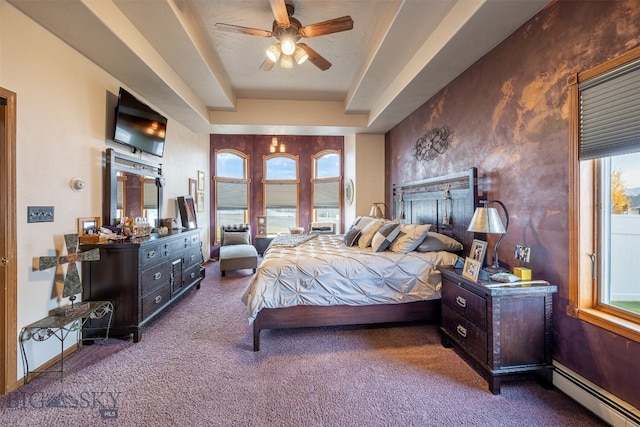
<point>421,202</point>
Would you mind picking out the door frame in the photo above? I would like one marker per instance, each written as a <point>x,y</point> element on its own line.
<point>8,244</point>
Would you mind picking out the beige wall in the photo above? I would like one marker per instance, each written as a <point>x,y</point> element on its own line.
<point>364,163</point>
<point>62,133</point>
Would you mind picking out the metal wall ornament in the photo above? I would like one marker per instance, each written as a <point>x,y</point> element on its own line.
<point>434,142</point>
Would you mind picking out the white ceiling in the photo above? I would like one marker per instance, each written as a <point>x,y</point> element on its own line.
<point>169,52</point>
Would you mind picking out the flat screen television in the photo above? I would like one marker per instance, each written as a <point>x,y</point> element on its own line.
<point>138,126</point>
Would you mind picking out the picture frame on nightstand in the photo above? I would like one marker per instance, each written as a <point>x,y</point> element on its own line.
<point>471,269</point>
<point>478,250</point>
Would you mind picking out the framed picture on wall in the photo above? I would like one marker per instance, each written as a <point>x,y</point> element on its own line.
<point>200,201</point>
<point>200,181</point>
<point>192,187</point>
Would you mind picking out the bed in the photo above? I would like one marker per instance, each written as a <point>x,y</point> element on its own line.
<point>317,280</point>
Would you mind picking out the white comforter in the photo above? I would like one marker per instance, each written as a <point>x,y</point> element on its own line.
<point>323,271</point>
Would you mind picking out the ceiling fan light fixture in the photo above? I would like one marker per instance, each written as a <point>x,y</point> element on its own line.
<point>286,61</point>
<point>273,52</point>
<point>300,55</point>
<point>287,45</point>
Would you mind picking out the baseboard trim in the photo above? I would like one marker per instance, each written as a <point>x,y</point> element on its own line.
<point>603,404</point>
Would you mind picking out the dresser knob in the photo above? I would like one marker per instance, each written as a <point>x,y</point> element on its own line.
<point>158,299</point>
<point>151,254</point>
<point>157,276</point>
<point>461,301</point>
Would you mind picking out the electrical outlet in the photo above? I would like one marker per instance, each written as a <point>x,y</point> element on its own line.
<point>523,253</point>
<point>39,213</point>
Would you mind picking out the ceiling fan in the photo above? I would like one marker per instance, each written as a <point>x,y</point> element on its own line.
<point>288,31</point>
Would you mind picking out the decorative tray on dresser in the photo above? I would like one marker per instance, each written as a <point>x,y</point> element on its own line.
<point>503,330</point>
<point>141,278</point>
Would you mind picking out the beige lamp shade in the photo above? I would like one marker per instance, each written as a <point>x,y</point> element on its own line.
<point>376,210</point>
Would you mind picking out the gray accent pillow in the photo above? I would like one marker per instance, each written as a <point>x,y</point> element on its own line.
<point>351,237</point>
<point>383,237</point>
<point>439,242</point>
<point>236,238</point>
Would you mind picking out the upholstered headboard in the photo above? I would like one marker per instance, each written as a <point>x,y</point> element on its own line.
<point>446,202</point>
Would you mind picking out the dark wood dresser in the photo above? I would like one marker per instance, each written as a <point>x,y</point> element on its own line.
<point>503,330</point>
<point>141,278</point>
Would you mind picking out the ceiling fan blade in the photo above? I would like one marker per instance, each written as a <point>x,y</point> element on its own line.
<point>279,9</point>
<point>267,65</point>
<point>336,25</point>
<point>243,30</point>
<point>315,58</point>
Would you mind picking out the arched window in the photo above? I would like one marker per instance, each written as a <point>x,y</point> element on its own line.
<point>326,187</point>
<point>280,186</point>
<point>232,188</point>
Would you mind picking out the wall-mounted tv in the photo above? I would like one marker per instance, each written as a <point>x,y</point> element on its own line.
<point>138,126</point>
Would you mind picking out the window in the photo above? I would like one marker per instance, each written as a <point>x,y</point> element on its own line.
<point>232,188</point>
<point>605,195</point>
<point>326,187</point>
<point>281,192</point>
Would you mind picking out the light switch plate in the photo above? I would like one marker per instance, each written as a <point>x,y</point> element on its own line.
<point>39,213</point>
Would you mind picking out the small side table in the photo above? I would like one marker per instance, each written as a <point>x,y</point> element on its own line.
<point>262,242</point>
<point>59,326</point>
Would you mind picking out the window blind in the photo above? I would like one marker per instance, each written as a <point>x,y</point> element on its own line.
<point>281,195</point>
<point>232,195</point>
<point>610,113</point>
<point>326,194</point>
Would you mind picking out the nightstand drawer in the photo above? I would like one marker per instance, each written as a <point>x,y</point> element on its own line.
<point>465,333</point>
<point>473,307</point>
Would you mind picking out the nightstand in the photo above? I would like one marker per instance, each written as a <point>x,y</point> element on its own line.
<point>262,242</point>
<point>503,330</point>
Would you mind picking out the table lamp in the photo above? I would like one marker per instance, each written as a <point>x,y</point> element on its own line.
<point>487,220</point>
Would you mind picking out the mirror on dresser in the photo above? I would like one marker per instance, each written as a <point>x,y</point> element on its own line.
<point>132,189</point>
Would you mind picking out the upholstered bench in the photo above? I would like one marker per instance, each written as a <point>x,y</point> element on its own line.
<point>236,250</point>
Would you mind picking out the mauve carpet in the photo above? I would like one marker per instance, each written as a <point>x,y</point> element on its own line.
<point>194,367</point>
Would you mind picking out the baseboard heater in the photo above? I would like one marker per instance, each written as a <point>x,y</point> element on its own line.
<point>597,400</point>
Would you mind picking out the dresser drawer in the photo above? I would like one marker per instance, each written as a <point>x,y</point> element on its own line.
<point>154,277</point>
<point>190,274</point>
<point>153,253</point>
<point>471,338</point>
<point>473,307</point>
<point>192,257</point>
<point>155,300</point>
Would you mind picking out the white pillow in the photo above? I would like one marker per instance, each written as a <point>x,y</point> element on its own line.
<point>411,235</point>
<point>363,222</point>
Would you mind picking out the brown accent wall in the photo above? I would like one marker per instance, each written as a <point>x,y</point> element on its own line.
<point>509,114</point>
<point>257,146</point>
